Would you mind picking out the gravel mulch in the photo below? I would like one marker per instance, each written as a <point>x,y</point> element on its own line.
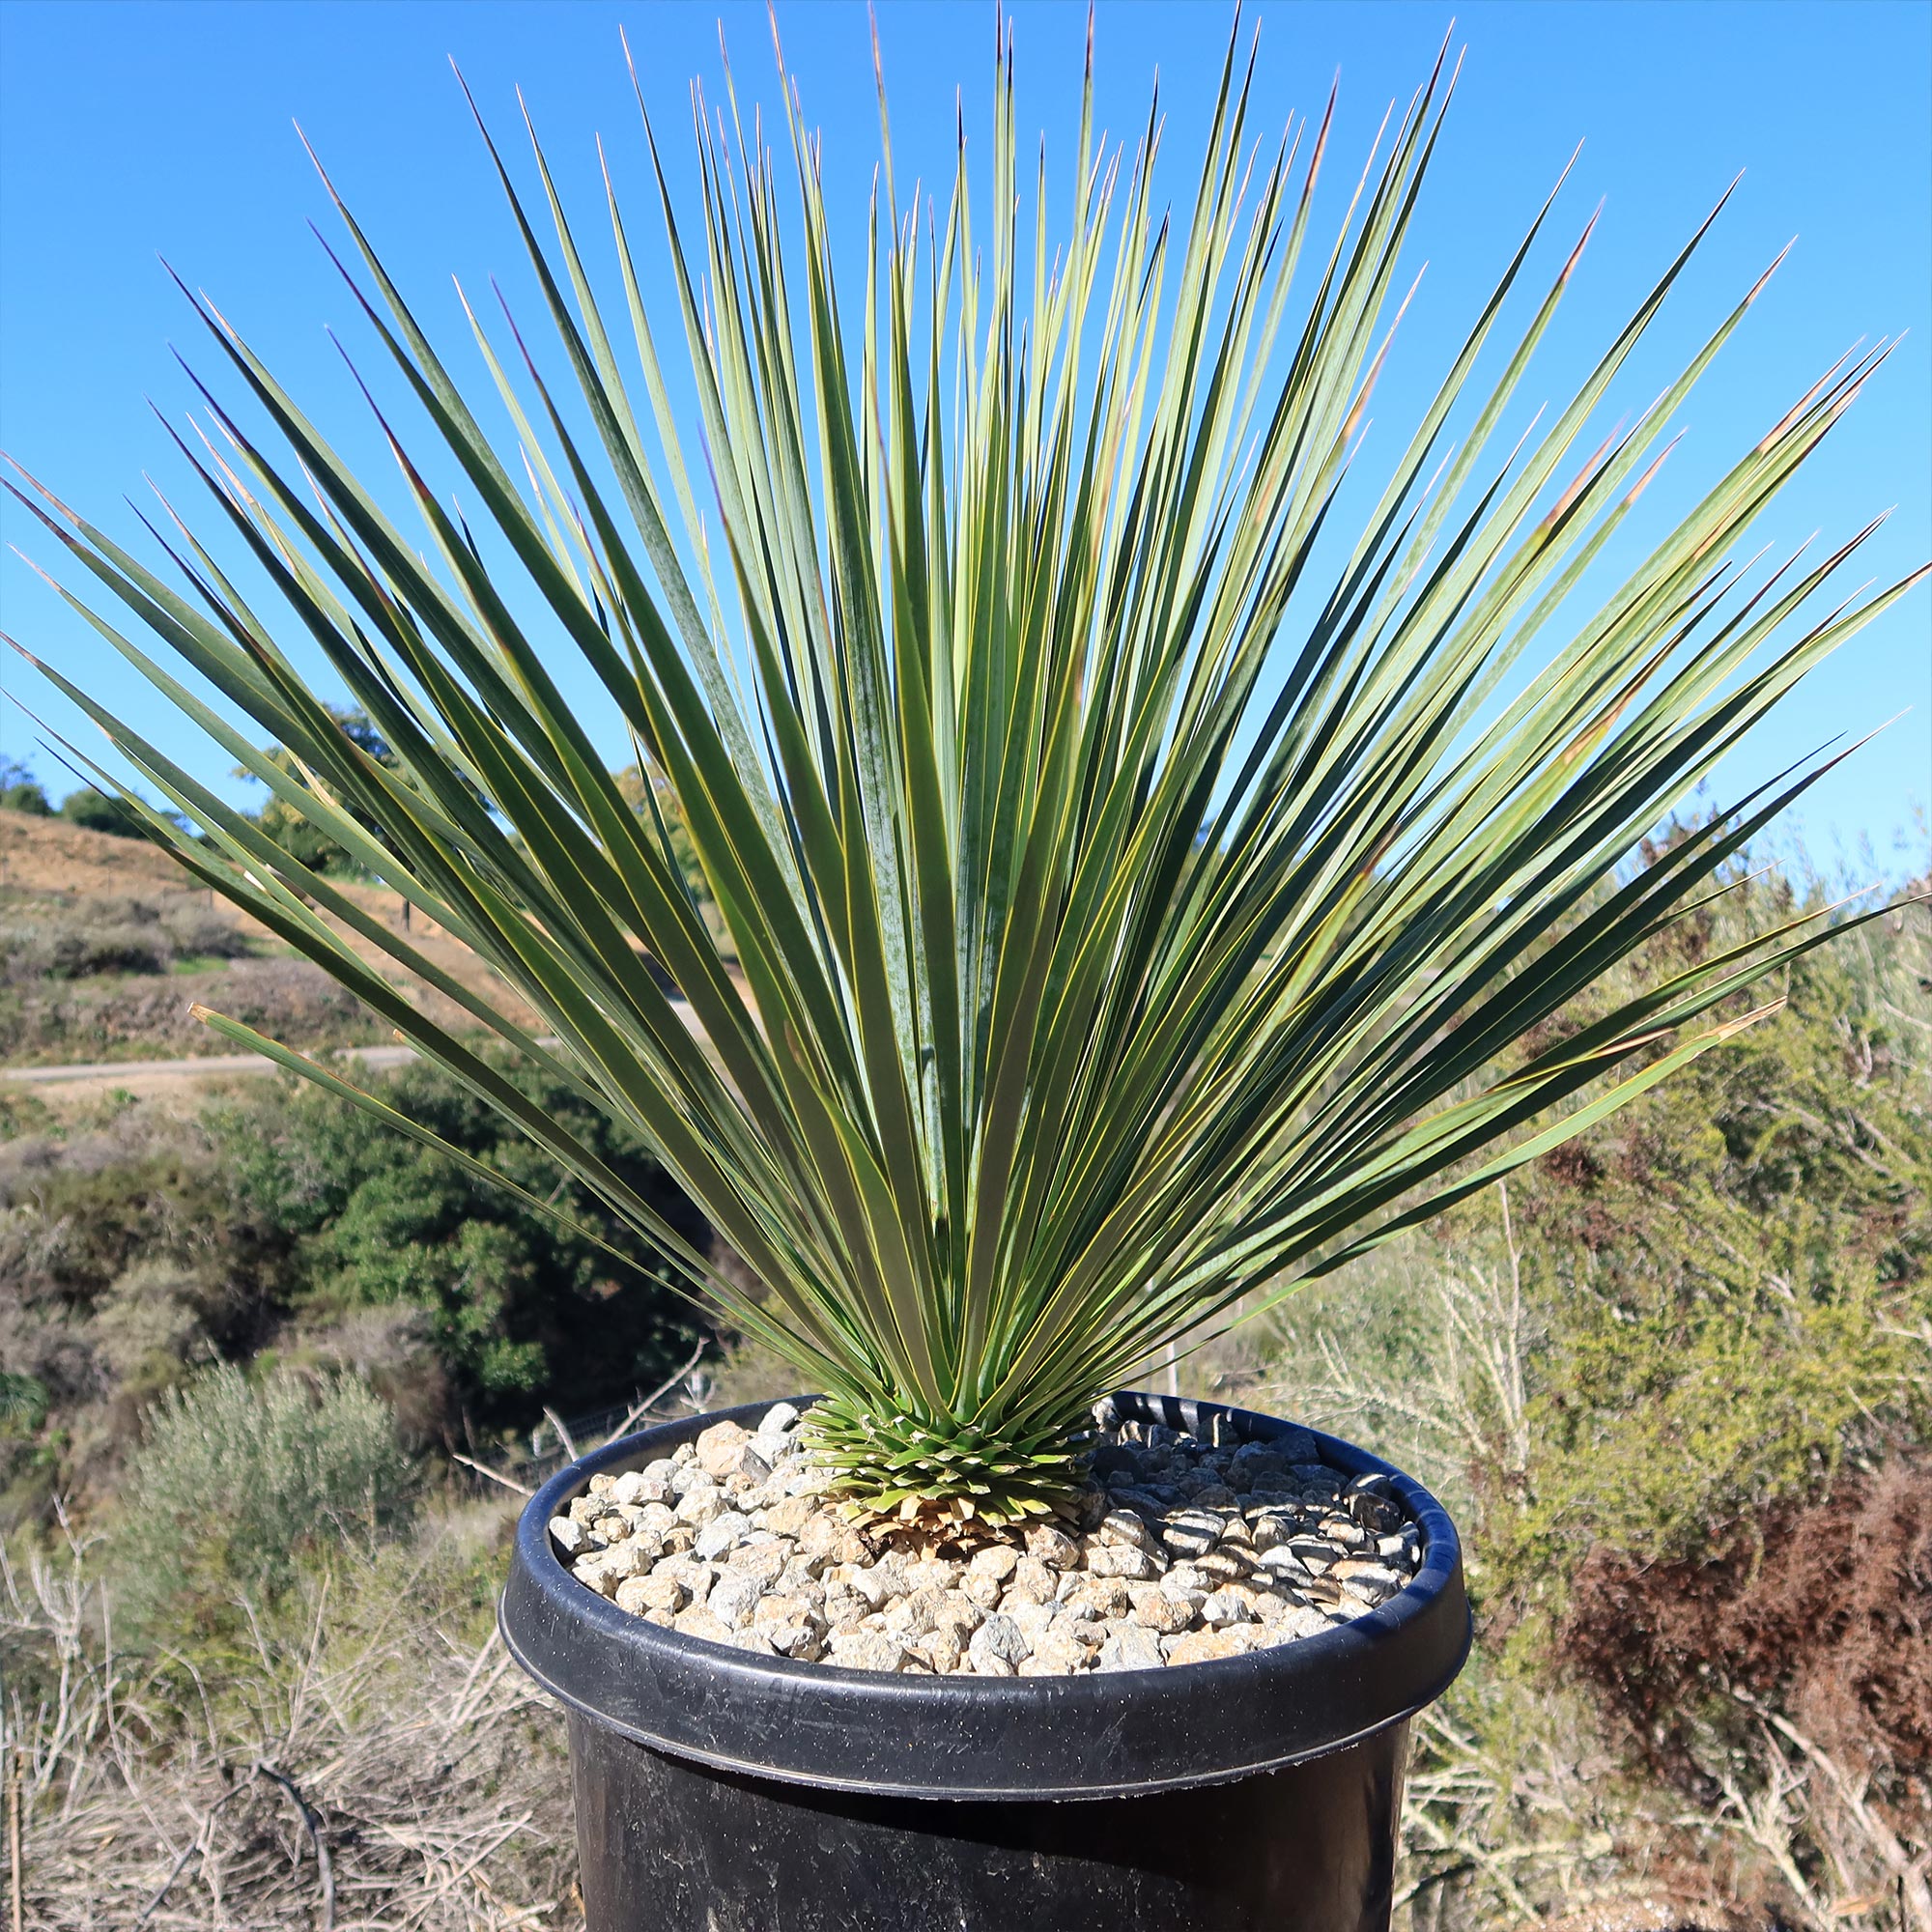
<point>1177,1550</point>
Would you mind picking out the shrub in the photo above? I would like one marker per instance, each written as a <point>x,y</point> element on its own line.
<point>136,1250</point>
<point>1652,1393</point>
<point>196,931</point>
<point>80,938</point>
<point>21,791</point>
<point>519,1307</point>
<point>25,796</point>
<point>97,811</point>
<point>237,1477</point>
<point>23,1402</point>
<point>78,945</point>
<point>436,1777</point>
<point>1795,1661</point>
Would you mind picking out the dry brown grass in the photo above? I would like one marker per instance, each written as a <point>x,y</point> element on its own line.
<point>378,1770</point>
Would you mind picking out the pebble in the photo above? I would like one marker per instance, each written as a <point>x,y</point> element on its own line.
<point>720,1448</point>
<point>942,1650</point>
<point>1192,1533</point>
<point>1177,1551</point>
<point>1131,1647</point>
<point>867,1650</point>
<point>1115,1559</point>
<point>734,1597</point>
<point>700,1622</point>
<point>1033,1618</point>
<point>722,1532</point>
<point>1166,1614</point>
<point>1224,1607</point>
<point>700,1503</point>
<point>1354,1572</point>
<point>788,1516</point>
<point>1285,1566</point>
<point>638,1594</point>
<point>622,1560</point>
<point>998,1560</point>
<point>1103,1596</point>
<point>1227,1565</point>
<point>1052,1547</point>
<point>1056,1654</point>
<point>1127,1528</point>
<point>1201,1646</point>
<point>1001,1642</point>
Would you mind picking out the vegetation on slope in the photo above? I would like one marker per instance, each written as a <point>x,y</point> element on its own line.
<point>1674,1382</point>
<point>1677,1382</point>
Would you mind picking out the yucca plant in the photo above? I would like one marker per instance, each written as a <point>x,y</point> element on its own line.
<point>1119,923</point>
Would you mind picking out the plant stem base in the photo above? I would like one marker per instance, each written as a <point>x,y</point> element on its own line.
<point>669,1845</point>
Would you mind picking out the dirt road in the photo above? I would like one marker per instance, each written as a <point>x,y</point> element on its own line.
<point>145,1077</point>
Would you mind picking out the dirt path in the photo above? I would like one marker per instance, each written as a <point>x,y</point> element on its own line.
<point>143,1078</point>
<point>47,859</point>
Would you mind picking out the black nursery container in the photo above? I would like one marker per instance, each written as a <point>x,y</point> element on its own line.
<point>722,1792</point>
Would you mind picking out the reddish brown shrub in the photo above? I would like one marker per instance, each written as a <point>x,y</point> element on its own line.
<point>1821,1612</point>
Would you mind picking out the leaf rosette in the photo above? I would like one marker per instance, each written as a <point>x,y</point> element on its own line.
<point>1066,883</point>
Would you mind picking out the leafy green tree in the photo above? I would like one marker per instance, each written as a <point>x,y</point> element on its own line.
<point>292,829</point>
<point>21,791</point>
<point>100,811</point>
<point>655,800</point>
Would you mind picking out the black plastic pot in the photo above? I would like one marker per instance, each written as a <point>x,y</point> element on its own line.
<point>723,1791</point>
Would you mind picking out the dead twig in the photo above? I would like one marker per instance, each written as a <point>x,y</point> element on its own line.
<point>651,1401</point>
<point>198,1843</point>
<point>324,1870</point>
<point>14,1842</point>
<point>484,1470</point>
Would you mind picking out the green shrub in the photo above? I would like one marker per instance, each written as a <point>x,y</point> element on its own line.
<point>96,810</point>
<point>197,930</point>
<point>283,822</point>
<point>21,791</point>
<point>25,796</point>
<point>1702,1320</point>
<point>136,1247</point>
<point>23,1402</point>
<point>520,1308</point>
<point>237,1478</point>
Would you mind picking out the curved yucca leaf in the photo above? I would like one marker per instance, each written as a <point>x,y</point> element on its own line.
<point>1106,938</point>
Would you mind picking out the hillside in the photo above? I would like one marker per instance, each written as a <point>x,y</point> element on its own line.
<point>105,944</point>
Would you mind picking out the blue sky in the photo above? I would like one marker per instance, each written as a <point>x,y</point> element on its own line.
<point>131,131</point>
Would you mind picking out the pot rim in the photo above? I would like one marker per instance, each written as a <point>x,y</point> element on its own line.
<point>1099,1735</point>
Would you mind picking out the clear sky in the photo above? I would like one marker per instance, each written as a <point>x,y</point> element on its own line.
<point>129,130</point>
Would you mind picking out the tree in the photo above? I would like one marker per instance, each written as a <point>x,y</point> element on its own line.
<point>290,828</point>
<point>100,811</point>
